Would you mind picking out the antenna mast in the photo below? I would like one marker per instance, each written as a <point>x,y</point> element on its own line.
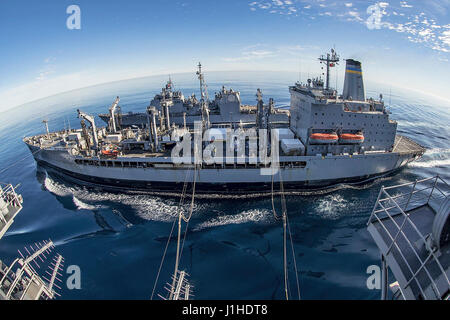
<point>204,95</point>
<point>45,122</point>
<point>331,60</point>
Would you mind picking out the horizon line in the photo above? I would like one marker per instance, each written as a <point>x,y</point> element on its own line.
<point>187,72</point>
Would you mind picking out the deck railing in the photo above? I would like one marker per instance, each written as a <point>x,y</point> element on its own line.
<point>397,200</point>
<point>9,198</point>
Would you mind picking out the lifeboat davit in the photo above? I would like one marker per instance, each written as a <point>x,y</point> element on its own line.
<point>323,138</point>
<point>351,138</point>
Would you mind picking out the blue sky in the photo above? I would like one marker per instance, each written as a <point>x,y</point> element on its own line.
<point>121,39</point>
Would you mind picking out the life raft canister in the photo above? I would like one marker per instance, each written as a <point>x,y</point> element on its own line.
<point>323,138</point>
<point>351,138</point>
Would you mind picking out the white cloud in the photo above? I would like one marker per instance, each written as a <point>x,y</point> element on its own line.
<point>403,4</point>
<point>445,37</point>
<point>418,27</point>
<point>250,55</point>
<point>354,15</point>
<point>259,52</point>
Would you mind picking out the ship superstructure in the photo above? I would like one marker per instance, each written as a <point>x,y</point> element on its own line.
<point>345,124</point>
<point>225,108</point>
<point>331,139</point>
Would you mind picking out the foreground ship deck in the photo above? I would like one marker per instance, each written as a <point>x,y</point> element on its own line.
<point>19,280</point>
<point>10,206</point>
<point>410,224</point>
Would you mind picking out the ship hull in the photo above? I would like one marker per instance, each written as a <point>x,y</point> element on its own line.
<point>317,173</point>
<point>232,189</point>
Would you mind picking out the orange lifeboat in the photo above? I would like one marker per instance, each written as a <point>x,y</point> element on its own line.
<point>351,138</point>
<point>110,151</point>
<point>323,138</point>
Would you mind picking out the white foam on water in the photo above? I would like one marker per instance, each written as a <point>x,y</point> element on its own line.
<point>146,207</point>
<point>254,215</point>
<point>430,163</point>
<point>437,151</point>
<point>85,206</point>
<point>331,206</point>
<point>56,188</point>
<point>436,157</point>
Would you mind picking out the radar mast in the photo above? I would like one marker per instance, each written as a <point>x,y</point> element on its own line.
<point>331,61</point>
<point>204,95</point>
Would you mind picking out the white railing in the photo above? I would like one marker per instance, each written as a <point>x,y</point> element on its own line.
<point>395,201</point>
<point>9,198</point>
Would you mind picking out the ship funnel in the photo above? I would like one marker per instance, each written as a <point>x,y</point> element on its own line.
<point>353,85</point>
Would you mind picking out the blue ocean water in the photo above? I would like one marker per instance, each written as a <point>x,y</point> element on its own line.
<point>233,248</point>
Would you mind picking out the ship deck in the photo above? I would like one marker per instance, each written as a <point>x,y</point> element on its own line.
<point>401,226</point>
<point>404,144</point>
<point>422,217</point>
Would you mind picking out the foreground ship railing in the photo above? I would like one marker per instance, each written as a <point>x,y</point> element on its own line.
<point>25,283</point>
<point>410,224</point>
<point>10,205</point>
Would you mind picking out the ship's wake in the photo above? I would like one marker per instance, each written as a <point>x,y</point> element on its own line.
<point>331,206</point>
<point>144,206</point>
<point>254,216</point>
<point>85,206</point>
<point>150,208</point>
<point>433,158</point>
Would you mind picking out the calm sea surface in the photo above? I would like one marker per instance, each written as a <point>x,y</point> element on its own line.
<point>233,248</point>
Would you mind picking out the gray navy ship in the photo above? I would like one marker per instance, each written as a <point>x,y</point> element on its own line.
<point>225,108</point>
<point>330,138</point>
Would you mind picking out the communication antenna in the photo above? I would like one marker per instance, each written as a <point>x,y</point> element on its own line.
<point>45,122</point>
<point>300,71</point>
<point>331,59</point>
<point>204,95</point>
<point>337,74</point>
